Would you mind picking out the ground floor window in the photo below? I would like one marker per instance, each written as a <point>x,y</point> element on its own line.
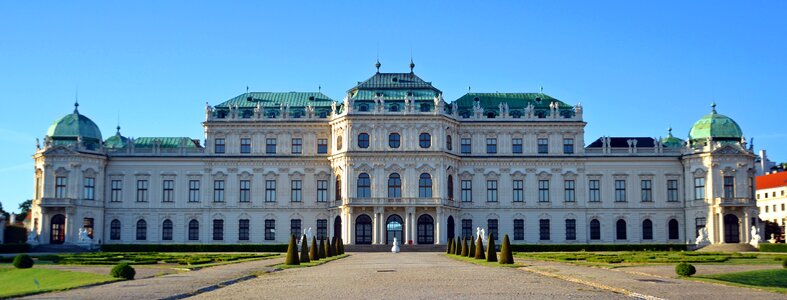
<point>243,229</point>
<point>114,230</point>
<point>322,229</point>
<point>142,230</point>
<point>193,230</point>
<point>270,230</point>
<point>166,230</point>
<point>543,229</point>
<point>218,230</point>
<point>519,229</point>
<point>467,228</point>
<point>571,229</point>
<point>595,230</point>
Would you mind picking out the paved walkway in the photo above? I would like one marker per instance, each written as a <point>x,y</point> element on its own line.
<point>407,276</point>
<point>165,286</point>
<point>643,284</point>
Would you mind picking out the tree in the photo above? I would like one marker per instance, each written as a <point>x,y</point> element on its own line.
<point>313,254</point>
<point>506,256</point>
<point>3,212</point>
<point>304,250</point>
<point>24,209</point>
<point>479,246</point>
<point>292,252</point>
<point>464,247</point>
<point>321,249</point>
<point>491,253</point>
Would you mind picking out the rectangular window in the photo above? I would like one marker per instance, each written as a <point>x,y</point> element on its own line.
<point>116,191</point>
<point>90,188</point>
<point>218,146</point>
<point>571,229</point>
<point>492,226</point>
<point>243,229</point>
<point>569,191</point>
<point>647,190</point>
<point>322,190</point>
<point>270,190</point>
<point>193,190</point>
<point>245,145</point>
<point>699,225</point>
<point>295,192</point>
<point>491,191</point>
<point>491,145</point>
<point>270,230</point>
<point>322,147</point>
<point>543,146</point>
<point>519,229</point>
<point>322,229</point>
<point>543,229</point>
<point>467,228</point>
<point>270,146</point>
<point>620,191</point>
<point>467,191</point>
<point>142,191</point>
<point>519,191</point>
<point>295,228</point>
<point>60,186</point>
<point>699,188</point>
<point>218,191</point>
<point>297,146</point>
<point>595,191</point>
<point>245,191</point>
<point>672,190</point>
<point>168,191</point>
<point>568,146</point>
<point>516,146</point>
<point>467,146</point>
<point>218,230</point>
<point>729,187</point>
<point>543,191</point>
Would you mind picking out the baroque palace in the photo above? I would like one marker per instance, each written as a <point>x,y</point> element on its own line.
<point>394,159</point>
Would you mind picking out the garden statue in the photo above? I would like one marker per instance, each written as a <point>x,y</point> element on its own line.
<point>395,248</point>
<point>773,238</point>
<point>32,237</point>
<point>702,238</point>
<point>755,237</point>
<point>308,234</point>
<point>83,237</point>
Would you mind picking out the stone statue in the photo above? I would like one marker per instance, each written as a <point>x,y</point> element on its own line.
<point>478,231</point>
<point>32,237</point>
<point>702,239</point>
<point>38,144</point>
<point>483,236</point>
<point>308,235</point>
<point>773,238</point>
<point>395,248</point>
<point>83,237</point>
<point>755,237</point>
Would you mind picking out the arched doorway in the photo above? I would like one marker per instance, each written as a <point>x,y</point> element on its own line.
<point>363,230</point>
<point>337,226</point>
<point>393,229</point>
<point>57,232</point>
<point>425,229</point>
<point>451,228</point>
<point>731,229</point>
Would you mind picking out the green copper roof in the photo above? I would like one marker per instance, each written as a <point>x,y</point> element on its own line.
<point>72,126</point>
<point>116,141</point>
<point>275,99</point>
<point>165,142</point>
<point>516,102</point>
<point>395,95</point>
<point>672,142</point>
<point>394,81</point>
<point>716,127</point>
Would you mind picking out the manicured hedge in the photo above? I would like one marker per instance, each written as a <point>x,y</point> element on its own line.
<point>597,247</point>
<point>194,247</point>
<point>15,234</point>
<point>14,248</point>
<point>773,247</point>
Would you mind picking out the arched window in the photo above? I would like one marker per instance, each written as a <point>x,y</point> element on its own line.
<point>449,143</point>
<point>142,230</point>
<point>364,189</point>
<point>647,230</point>
<point>595,230</point>
<point>425,186</point>
<point>425,140</point>
<point>425,229</point>
<point>490,115</point>
<point>193,230</point>
<point>339,143</point>
<point>114,230</point>
<point>672,225</point>
<point>394,107</point>
<point>450,187</point>
<point>363,230</point>
<point>394,186</point>
<point>166,230</point>
<point>363,140</point>
<point>394,140</point>
<point>363,107</point>
<point>338,188</point>
<point>620,229</point>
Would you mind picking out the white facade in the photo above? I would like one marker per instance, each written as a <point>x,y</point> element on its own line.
<point>772,200</point>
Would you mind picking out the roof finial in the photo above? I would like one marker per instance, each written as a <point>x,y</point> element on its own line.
<point>118,127</point>
<point>542,89</point>
<point>319,88</point>
<point>670,131</point>
<point>412,65</point>
<point>468,88</point>
<point>713,107</point>
<point>76,101</point>
<point>377,65</point>
<point>247,89</point>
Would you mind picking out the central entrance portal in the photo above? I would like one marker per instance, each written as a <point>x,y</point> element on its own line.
<point>363,230</point>
<point>731,229</point>
<point>425,229</point>
<point>393,229</point>
<point>58,230</point>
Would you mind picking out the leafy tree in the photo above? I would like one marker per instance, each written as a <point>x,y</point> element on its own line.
<point>313,253</point>
<point>292,252</point>
<point>506,256</point>
<point>24,209</point>
<point>479,245</point>
<point>304,250</point>
<point>491,253</point>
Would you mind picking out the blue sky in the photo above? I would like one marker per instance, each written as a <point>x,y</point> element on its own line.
<point>637,67</point>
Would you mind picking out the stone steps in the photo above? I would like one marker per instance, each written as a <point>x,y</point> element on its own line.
<point>728,248</point>
<point>387,248</point>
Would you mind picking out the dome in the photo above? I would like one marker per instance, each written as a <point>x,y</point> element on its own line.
<point>116,141</point>
<point>717,127</point>
<point>671,141</point>
<point>72,127</point>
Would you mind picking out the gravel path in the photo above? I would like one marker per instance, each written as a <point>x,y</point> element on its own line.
<point>405,275</point>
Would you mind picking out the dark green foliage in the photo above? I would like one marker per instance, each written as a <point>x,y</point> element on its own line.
<point>335,246</point>
<point>491,253</point>
<point>14,248</point>
<point>784,263</point>
<point>465,249</point>
<point>471,252</point>
<point>457,247</point>
<point>292,253</point>
<point>23,261</point>
<point>685,269</point>
<point>304,250</point>
<point>506,256</point>
<point>321,249</point>
<point>313,253</point>
<point>479,245</point>
<point>123,270</point>
<point>15,234</point>
<point>328,248</point>
<point>773,247</point>
<point>140,258</point>
<point>602,247</point>
<point>223,248</point>
<point>448,247</point>
<point>341,246</point>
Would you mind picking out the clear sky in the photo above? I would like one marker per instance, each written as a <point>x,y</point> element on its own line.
<point>637,67</point>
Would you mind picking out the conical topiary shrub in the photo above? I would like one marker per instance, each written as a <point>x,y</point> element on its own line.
<point>313,253</point>
<point>341,246</point>
<point>448,247</point>
<point>479,246</point>
<point>464,248</point>
<point>292,253</point>
<point>506,256</point>
<point>328,249</point>
<point>304,250</point>
<point>335,245</point>
<point>321,249</point>
<point>457,247</point>
<point>491,252</point>
<point>471,251</point>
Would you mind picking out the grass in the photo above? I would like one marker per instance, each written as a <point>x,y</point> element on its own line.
<point>145,258</point>
<point>483,262</point>
<point>18,282</point>
<point>613,259</point>
<point>311,263</point>
<point>771,280</point>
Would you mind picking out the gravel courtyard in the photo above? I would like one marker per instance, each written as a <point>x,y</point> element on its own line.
<point>407,276</point>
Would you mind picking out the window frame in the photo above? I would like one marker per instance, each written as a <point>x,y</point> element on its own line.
<point>491,191</point>
<point>569,190</point>
<point>270,191</point>
<point>245,145</point>
<point>543,145</point>
<point>491,145</point>
<point>296,190</point>
<point>270,145</point>
<point>297,146</point>
<point>517,146</point>
<point>218,190</point>
<point>646,186</point>
<point>244,191</point>
<point>518,190</point>
<point>394,143</point>
<point>168,191</point>
<point>425,140</point>
<point>466,148</point>
<point>142,190</point>
<point>543,191</point>
<point>363,140</point>
<point>194,186</point>
<point>620,190</point>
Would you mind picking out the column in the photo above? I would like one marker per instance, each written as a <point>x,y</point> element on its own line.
<point>407,226</point>
<point>375,224</point>
<point>720,232</point>
<point>746,227</point>
<point>438,226</point>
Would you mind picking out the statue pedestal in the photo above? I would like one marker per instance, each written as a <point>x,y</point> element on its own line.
<point>89,245</point>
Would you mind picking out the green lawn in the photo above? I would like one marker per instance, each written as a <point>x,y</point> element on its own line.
<point>17,282</point>
<point>774,280</point>
<point>651,257</point>
<point>151,258</point>
<point>311,263</point>
<point>483,262</point>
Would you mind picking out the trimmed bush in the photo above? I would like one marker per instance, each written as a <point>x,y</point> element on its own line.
<point>784,263</point>
<point>600,247</point>
<point>292,253</point>
<point>471,252</point>
<point>328,249</point>
<point>335,246</point>
<point>448,247</point>
<point>479,246</point>
<point>23,261</point>
<point>506,256</point>
<point>14,248</point>
<point>313,254</point>
<point>491,252</point>
<point>341,245</point>
<point>321,249</point>
<point>773,247</point>
<point>123,270</point>
<point>685,269</point>
<point>194,248</point>
<point>465,249</point>
<point>457,247</point>
<point>304,250</point>
<point>15,234</point>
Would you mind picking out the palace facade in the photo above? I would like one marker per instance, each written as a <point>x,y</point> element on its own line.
<point>394,159</point>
